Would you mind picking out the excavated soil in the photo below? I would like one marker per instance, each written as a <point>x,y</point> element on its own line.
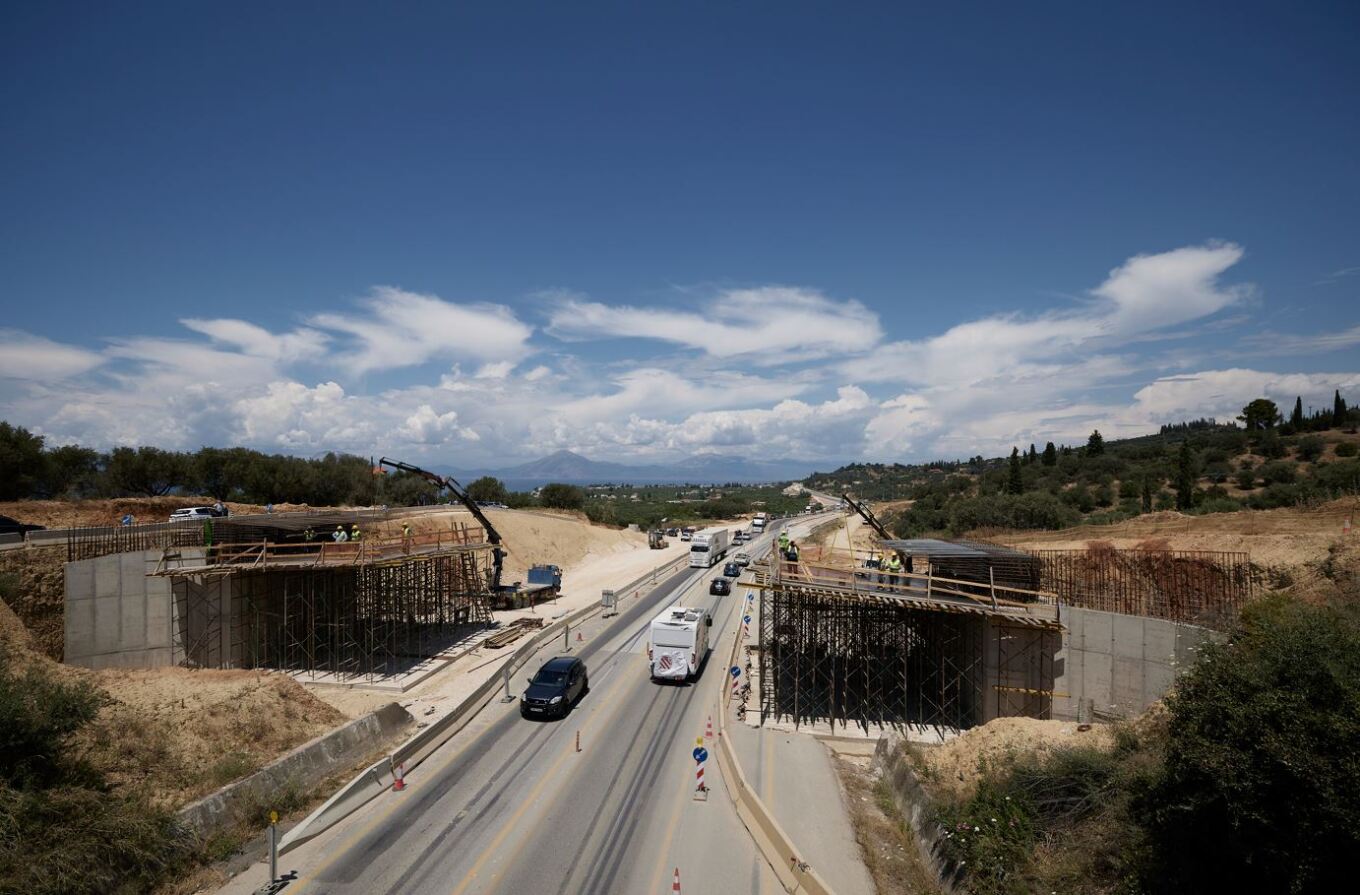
<point>953,766</point>
<point>35,590</point>
<point>73,513</point>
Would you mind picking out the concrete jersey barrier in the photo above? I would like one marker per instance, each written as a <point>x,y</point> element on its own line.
<point>380,776</point>
<point>770,838</point>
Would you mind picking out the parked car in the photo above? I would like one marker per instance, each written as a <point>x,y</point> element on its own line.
<point>190,514</point>
<point>557,686</point>
<point>720,586</point>
<point>10,526</point>
<point>732,570</point>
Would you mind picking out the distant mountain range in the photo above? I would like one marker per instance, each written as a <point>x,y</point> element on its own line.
<point>702,469</point>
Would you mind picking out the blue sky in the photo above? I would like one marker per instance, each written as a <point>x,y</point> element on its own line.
<point>482,234</point>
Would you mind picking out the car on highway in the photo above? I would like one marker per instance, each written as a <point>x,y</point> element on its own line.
<point>742,559</point>
<point>720,586</point>
<point>558,685</point>
<point>192,514</point>
<point>732,570</point>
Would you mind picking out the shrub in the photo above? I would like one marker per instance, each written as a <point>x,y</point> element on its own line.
<point>1347,449</point>
<point>1277,473</point>
<point>39,714</point>
<point>1261,771</point>
<point>1309,448</point>
<point>1246,479</point>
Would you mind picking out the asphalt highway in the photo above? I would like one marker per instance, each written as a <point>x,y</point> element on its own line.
<point>510,806</point>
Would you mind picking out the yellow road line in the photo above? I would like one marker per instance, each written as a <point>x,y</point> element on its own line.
<point>529,801</point>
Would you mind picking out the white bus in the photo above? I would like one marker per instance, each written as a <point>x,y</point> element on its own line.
<point>677,643</point>
<point>707,547</point>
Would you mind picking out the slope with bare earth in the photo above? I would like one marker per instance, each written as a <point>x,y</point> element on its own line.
<point>76,513</point>
<point>1287,537</point>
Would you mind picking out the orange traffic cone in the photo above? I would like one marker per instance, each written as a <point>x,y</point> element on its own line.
<point>675,886</point>
<point>399,778</point>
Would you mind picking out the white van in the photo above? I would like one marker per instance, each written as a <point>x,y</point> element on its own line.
<point>677,643</point>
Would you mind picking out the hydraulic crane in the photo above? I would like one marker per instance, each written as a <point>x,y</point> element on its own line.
<point>448,483</point>
<point>872,520</point>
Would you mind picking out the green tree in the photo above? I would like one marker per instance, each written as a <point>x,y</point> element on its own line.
<point>1032,455</point>
<point>1148,489</point>
<point>1338,410</point>
<point>71,471</point>
<point>1260,768</point>
<point>488,488</point>
<point>1095,445</point>
<point>1185,477</point>
<point>562,497</point>
<point>1296,418</point>
<point>146,471</point>
<point>21,462</point>
<point>1050,455</point>
<point>1260,415</point>
<point>1015,483</point>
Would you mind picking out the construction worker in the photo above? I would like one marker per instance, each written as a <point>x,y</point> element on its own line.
<point>783,541</point>
<point>406,536</point>
<point>792,552</point>
<point>893,566</point>
<point>354,532</point>
<point>309,535</point>
<point>340,536</point>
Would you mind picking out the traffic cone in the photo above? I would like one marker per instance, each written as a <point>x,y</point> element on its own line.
<point>399,778</point>
<point>579,638</point>
<point>675,886</point>
<point>708,731</point>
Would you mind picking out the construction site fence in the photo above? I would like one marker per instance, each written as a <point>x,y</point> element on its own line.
<point>91,542</point>
<point>326,552</point>
<point>1206,588</point>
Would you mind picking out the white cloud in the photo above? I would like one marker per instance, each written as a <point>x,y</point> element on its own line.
<point>1223,393</point>
<point>498,370</point>
<point>1156,292</point>
<point>26,356</point>
<point>300,344</point>
<point>772,324</point>
<point>404,329</point>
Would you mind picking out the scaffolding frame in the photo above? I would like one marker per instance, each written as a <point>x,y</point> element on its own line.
<point>349,620</point>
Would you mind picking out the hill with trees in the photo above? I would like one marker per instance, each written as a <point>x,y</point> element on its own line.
<point>1199,466</point>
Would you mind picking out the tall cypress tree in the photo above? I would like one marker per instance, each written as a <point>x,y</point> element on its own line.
<point>1016,483</point>
<point>1185,477</point>
<point>1032,455</point>
<point>1296,418</point>
<point>1050,455</point>
<point>1338,410</point>
<point>1147,492</point>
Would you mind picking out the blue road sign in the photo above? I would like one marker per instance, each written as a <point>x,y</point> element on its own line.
<point>700,754</point>
<point>746,618</point>
<point>734,671</point>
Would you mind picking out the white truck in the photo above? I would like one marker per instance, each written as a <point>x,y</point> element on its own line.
<point>677,643</point>
<point>758,523</point>
<point>707,547</point>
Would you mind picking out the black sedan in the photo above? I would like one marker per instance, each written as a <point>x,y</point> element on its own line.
<point>732,570</point>
<point>555,688</point>
<point>720,586</point>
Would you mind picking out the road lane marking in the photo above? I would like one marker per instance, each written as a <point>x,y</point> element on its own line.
<point>529,801</point>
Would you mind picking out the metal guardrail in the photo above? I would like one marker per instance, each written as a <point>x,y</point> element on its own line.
<point>379,777</point>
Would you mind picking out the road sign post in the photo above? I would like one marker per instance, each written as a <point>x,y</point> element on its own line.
<point>700,756</point>
<point>273,847</point>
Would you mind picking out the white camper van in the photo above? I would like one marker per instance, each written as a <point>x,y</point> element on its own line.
<point>677,643</point>
<point>707,547</point>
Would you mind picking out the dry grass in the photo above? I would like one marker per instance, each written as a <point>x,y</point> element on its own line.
<point>887,844</point>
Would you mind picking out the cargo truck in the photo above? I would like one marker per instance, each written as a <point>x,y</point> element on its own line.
<point>707,547</point>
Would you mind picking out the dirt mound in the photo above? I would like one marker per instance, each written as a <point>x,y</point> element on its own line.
<point>954,765</point>
<point>530,537</point>
<point>33,584</point>
<point>72,513</point>
<point>181,733</point>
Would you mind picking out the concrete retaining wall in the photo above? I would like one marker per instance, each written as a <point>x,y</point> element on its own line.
<point>116,616</point>
<point>302,768</point>
<point>1114,666</point>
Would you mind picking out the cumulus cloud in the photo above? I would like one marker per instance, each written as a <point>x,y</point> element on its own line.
<point>772,324</point>
<point>26,356</point>
<point>398,329</point>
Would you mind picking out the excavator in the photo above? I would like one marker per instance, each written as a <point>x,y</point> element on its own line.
<point>448,483</point>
